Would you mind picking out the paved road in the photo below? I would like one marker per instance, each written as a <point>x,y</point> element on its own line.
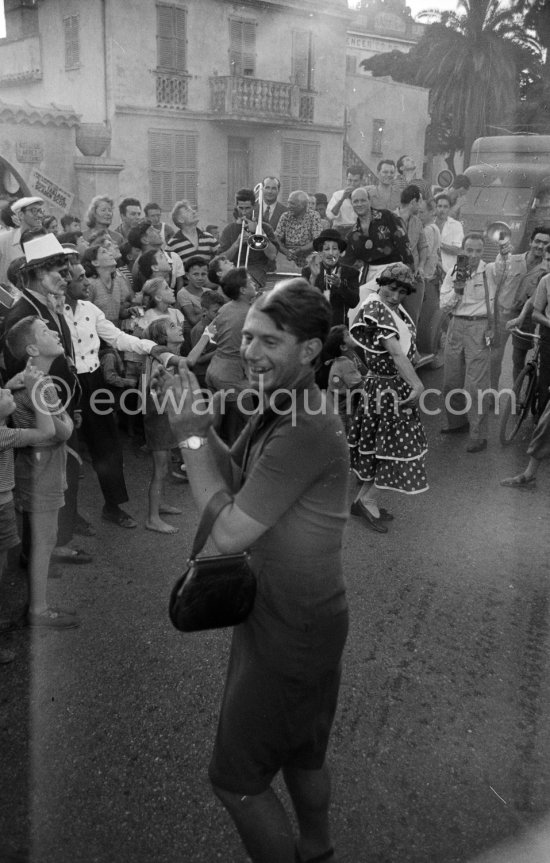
<point>441,743</point>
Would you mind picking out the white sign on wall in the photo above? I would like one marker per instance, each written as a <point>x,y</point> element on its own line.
<point>50,191</point>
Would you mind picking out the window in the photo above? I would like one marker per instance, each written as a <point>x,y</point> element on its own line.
<point>242,47</point>
<point>71,29</point>
<point>300,167</point>
<point>377,135</point>
<point>302,59</point>
<point>173,167</point>
<point>171,38</point>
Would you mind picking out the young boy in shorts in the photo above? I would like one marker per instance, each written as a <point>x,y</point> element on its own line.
<point>40,470</point>
<point>11,438</point>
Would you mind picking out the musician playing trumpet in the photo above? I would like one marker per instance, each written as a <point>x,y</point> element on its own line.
<point>234,239</point>
<point>340,284</point>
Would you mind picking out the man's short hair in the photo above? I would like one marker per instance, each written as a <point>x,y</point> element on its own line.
<point>443,196</point>
<point>296,307</point>
<point>136,234</point>
<point>385,162</point>
<point>70,237</point>
<point>146,262</point>
<point>410,193</point>
<point>128,202</point>
<point>195,261</point>
<point>20,335</point>
<point>473,235</point>
<point>356,171</point>
<point>151,206</point>
<point>68,220</point>
<point>541,229</point>
<point>233,281</point>
<point>214,268</point>
<point>461,181</point>
<point>400,162</point>
<point>177,207</point>
<point>246,195</point>
<point>211,298</point>
<point>271,177</point>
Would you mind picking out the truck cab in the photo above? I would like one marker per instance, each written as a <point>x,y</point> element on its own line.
<point>510,176</point>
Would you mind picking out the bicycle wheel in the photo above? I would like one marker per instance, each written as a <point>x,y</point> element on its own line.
<point>517,406</point>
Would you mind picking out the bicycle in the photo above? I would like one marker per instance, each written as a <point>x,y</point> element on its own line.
<point>525,394</point>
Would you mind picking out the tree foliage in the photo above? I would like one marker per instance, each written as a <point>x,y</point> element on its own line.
<point>479,64</point>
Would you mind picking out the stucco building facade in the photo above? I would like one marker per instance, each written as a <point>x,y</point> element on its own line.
<point>170,99</point>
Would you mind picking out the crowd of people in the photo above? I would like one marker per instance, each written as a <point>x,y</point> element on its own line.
<point>97,321</point>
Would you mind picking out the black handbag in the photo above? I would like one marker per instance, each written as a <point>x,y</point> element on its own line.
<point>214,591</point>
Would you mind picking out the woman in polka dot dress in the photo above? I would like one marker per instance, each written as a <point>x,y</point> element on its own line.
<point>386,437</point>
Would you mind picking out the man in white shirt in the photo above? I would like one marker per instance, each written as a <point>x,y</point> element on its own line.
<point>87,325</point>
<point>339,210</point>
<point>467,349</point>
<point>452,233</point>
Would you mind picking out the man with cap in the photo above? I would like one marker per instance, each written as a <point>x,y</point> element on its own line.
<point>339,284</point>
<point>45,275</point>
<point>28,212</point>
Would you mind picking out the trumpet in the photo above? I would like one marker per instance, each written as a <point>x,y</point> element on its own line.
<point>258,241</point>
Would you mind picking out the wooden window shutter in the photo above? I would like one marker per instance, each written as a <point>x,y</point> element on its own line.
<point>300,167</point>
<point>186,151</point>
<point>180,35</point>
<point>172,38</point>
<point>161,168</point>
<point>242,47</point>
<point>71,27</point>
<point>302,59</point>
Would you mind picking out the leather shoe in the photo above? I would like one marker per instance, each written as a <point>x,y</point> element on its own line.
<point>355,509</point>
<point>359,509</point>
<point>465,427</point>
<point>477,445</point>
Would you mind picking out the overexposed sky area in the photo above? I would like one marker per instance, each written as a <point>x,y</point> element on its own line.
<point>416,6</point>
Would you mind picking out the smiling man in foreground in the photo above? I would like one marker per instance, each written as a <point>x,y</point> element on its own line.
<point>286,484</point>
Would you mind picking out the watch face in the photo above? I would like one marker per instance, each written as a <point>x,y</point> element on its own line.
<point>194,442</point>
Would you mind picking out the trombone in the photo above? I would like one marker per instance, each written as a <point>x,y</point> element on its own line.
<point>258,241</point>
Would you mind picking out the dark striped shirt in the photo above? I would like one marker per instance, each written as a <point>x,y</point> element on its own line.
<point>206,248</point>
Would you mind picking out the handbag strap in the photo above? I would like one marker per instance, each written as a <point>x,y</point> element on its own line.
<point>217,502</point>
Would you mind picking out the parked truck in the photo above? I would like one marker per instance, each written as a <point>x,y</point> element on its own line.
<point>510,176</point>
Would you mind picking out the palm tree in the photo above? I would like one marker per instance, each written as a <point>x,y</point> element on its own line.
<point>470,60</point>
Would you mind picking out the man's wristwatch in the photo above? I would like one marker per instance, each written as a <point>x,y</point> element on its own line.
<point>192,442</point>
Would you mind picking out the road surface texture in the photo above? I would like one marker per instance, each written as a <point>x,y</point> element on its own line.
<point>441,744</point>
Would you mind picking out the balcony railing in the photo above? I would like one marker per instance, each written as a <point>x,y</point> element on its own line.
<point>171,90</point>
<point>238,96</point>
<point>20,61</point>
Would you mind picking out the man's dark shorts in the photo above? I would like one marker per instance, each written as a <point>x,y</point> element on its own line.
<point>279,701</point>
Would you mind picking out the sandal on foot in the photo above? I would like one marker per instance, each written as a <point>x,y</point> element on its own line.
<point>520,481</point>
<point>318,859</point>
<point>118,517</point>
